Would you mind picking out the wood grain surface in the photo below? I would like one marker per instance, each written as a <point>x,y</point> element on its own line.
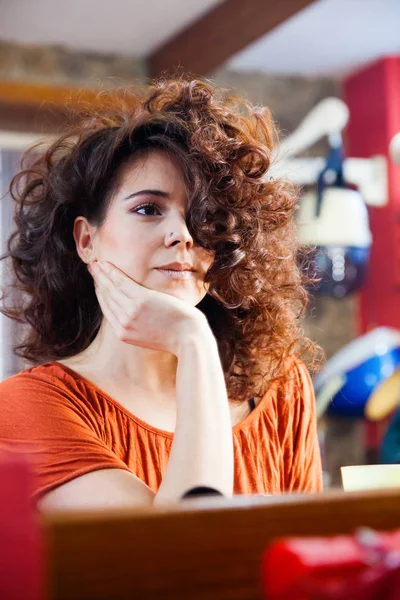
<point>208,549</point>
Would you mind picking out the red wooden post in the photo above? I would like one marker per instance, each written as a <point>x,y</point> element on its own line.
<point>373,97</point>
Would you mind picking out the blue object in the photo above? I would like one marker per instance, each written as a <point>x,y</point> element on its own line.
<point>353,374</point>
<point>361,381</point>
<point>334,164</point>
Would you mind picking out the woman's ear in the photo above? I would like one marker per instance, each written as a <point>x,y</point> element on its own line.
<point>84,236</point>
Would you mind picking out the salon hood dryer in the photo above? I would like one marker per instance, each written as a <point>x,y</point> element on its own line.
<point>334,222</point>
<point>363,378</point>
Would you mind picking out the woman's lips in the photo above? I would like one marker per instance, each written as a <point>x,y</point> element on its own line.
<point>177,274</point>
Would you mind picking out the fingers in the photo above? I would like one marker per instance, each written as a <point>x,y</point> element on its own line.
<point>119,279</point>
<point>110,313</point>
<point>111,286</point>
<point>115,305</point>
<point>110,301</point>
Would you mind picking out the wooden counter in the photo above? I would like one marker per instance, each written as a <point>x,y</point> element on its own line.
<point>204,549</point>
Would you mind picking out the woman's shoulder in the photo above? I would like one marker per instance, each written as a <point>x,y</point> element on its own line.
<point>286,396</point>
<point>43,376</point>
<point>47,395</point>
<point>49,382</point>
<point>293,381</point>
<point>296,377</point>
<point>295,391</point>
<point>291,393</point>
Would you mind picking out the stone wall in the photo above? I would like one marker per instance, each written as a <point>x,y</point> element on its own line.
<point>288,98</point>
<point>57,65</point>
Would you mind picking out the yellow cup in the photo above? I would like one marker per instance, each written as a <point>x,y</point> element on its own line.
<point>370,477</point>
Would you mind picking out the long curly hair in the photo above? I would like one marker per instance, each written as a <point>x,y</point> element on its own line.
<point>224,145</point>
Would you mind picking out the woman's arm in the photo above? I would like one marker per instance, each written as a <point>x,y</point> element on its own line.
<point>202,449</point>
<point>201,454</point>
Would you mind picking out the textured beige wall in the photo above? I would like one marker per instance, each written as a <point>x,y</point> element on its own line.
<point>57,65</point>
<point>288,98</point>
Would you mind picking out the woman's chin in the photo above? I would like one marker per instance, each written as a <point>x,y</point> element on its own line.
<point>186,296</point>
<point>186,290</point>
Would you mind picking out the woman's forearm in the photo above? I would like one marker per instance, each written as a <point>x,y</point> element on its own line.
<point>202,450</point>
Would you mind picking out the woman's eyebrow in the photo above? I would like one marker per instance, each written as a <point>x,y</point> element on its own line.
<point>158,193</point>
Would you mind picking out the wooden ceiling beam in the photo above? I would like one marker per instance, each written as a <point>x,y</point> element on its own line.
<point>39,108</point>
<point>16,92</point>
<point>221,33</point>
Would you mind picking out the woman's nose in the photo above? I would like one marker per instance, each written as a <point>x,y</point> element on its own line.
<point>178,233</point>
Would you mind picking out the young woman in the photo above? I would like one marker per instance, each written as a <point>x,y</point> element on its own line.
<point>156,259</point>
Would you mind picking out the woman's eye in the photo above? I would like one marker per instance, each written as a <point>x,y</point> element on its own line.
<point>148,210</point>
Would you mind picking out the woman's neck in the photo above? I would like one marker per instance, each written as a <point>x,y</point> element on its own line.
<point>129,365</point>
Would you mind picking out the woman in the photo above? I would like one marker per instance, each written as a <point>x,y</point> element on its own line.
<point>162,300</point>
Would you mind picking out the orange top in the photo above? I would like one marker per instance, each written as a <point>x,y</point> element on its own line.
<point>71,427</point>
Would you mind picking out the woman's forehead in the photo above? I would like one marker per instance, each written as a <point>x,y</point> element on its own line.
<point>156,169</point>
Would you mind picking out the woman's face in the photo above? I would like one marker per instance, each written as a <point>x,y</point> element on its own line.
<point>145,232</point>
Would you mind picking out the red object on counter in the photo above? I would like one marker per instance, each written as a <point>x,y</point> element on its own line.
<point>365,566</point>
<point>21,566</point>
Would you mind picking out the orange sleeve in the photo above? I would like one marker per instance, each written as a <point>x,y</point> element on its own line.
<point>304,469</point>
<point>61,433</point>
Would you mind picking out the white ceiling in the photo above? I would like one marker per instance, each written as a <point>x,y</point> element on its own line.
<point>133,27</point>
<point>331,37</point>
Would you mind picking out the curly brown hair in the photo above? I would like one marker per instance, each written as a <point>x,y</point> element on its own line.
<point>223,144</point>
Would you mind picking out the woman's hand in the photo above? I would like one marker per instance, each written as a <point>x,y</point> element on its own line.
<point>202,448</point>
<point>140,316</point>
